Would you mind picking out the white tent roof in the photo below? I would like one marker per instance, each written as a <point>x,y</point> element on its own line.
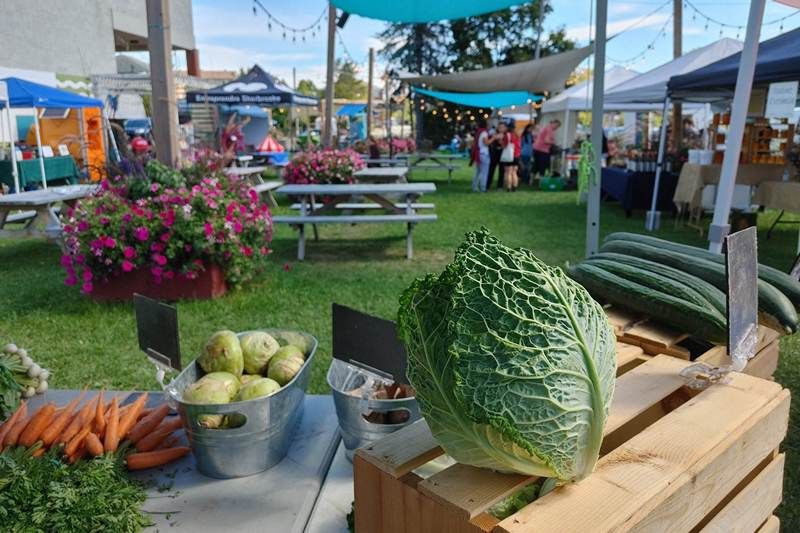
<point>579,96</point>
<point>536,76</point>
<point>651,87</point>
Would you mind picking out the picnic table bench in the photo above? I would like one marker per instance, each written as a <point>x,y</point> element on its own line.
<point>381,174</point>
<point>347,198</point>
<point>435,161</point>
<point>266,188</point>
<point>386,162</point>
<point>245,172</point>
<point>40,207</point>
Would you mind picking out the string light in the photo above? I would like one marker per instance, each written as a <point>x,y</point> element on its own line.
<point>650,46</point>
<point>312,29</point>
<point>738,27</point>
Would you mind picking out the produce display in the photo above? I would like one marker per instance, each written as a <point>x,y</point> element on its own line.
<point>512,362</point>
<point>680,285</point>
<point>242,367</point>
<point>20,377</point>
<point>63,468</point>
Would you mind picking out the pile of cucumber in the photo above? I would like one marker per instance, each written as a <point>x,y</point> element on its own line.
<point>679,285</point>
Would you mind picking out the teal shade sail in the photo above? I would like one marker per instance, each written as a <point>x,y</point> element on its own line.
<point>493,99</point>
<point>421,10</point>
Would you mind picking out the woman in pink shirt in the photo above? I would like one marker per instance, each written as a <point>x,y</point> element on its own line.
<point>542,145</point>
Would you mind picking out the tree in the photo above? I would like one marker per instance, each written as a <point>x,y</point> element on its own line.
<point>347,84</point>
<point>308,88</point>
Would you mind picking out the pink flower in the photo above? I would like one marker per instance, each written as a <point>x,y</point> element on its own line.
<point>141,233</point>
<point>87,275</point>
<point>87,287</point>
<point>83,225</point>
<point>154,187</point>
<point>247,251</point>
<point>164,237</point>
<point>287,267</point>
<point>71,280</point>
<point>109,242</point>
<point>66,260</point>
<point>156,271</point>
<point>129,252</point>
<point>208,229</point>
<point>237,227</point>
<point>127,266</point>
<point>160,259</point>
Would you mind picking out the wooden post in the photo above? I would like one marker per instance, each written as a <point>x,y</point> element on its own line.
<point>327,128</point>
<point>370,82</point>
<point>677,51</point>
<point>163,104</point>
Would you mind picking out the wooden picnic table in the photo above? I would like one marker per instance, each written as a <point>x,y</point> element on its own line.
<point>266,188</point>
<point>386,162</point>
<point>281,498</point>
<point>342,199</point>
<point>381,174</point>
<point>39,207</point>
<point>245,171</point>
<point>436,161</point>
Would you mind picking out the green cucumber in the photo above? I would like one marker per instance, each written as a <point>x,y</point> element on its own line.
<point>782,281</point>
<point>685,316</point>
<point>713,295</point>
<point>770,300</point>
<point>657,282</point>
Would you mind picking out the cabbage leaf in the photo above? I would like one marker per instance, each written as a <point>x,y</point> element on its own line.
<point>513,363</point>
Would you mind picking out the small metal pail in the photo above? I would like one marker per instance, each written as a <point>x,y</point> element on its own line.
<point>269,422</point>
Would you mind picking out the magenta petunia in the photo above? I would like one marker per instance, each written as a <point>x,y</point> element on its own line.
<point>160,259</point>
<point>87,287</point>
<point>83,225</point>
<point>141,233</point>
<point>127,266</point>
<point>129,252</point>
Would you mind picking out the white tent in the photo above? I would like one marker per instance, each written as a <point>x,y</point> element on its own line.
<point>651,87</point>
<point>579,96</point>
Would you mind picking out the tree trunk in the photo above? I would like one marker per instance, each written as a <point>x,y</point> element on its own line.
<point>419,30</point>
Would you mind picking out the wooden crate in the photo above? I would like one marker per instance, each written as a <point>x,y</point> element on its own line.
<point>654,339</point>
<point>671,460</point>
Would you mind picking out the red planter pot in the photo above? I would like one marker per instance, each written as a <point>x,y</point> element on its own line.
<point>210,283</point>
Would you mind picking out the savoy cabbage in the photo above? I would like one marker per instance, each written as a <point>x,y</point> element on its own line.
<point>513,363</point>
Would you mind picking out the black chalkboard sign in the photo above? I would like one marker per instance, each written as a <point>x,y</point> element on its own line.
<point>157,328</point>
<point>368,341</point>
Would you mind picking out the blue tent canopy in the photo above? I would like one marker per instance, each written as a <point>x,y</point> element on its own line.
<point>778,60</point>
<point>489,100</point>
<point>23,93</point>
<point>422,10</point>
<point>348,110</point>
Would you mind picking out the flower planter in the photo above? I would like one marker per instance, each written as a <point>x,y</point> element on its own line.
<point>209,283</point>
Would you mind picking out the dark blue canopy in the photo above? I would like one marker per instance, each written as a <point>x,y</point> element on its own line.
<point>23,93</point>
<point>778,60</point>
<point>254,88</point>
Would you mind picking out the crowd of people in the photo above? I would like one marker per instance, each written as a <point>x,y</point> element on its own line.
<point>498,149</point>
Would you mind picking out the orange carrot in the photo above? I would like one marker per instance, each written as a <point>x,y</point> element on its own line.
<point>12,437</point>
<point>99,419</point>
<point>77,440</point>
<point>148,424</point>
<point>144,412</point>
<point>80,453</point>
<point>21,412</point>
<point>49,435</point>
<point>151,441</point>
<point>77,423</point>
<point>127,421</point>
<point>112,437</point>
<point>93,445</point>
<point>140,461</point>
<point>37,424</point>
<point>169,442</point>
<point>38,453</point>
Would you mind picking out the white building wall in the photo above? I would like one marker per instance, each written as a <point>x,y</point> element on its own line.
<point>130,16</point>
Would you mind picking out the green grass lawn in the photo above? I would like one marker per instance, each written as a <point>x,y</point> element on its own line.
<point>86,343</point>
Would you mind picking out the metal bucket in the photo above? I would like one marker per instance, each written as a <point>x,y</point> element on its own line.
<point>356,431</point>
<point>262,441</point>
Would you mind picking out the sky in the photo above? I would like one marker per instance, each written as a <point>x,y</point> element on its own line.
<point>230,36</point>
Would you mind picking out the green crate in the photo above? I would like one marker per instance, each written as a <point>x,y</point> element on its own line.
<point>551,184</point>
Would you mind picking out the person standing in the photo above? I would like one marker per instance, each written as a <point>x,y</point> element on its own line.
<point>480,158</point>
<point>543,145</point>
<point>526,154</point>
<point>509,159</point>
<point>495,150</point>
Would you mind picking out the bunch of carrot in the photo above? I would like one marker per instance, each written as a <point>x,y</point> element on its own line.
<point>97,428</point>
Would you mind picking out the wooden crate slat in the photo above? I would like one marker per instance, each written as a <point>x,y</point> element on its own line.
<point>469,491</point>
<point>772,525</point>
<point>621,319</point>
<point>655,334</point>
<point>631,481</point>
<point>402,451</point>
<point>754,504</point>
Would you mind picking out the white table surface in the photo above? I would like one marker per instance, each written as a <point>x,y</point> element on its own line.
<point>244,171</point>
<point>279,500</point>
<point>335,498</point>
<point>45,197</point>
<point>382,172</point>
<point>359,188</point>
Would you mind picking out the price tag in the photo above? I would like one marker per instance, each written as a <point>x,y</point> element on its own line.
<point>157,328</point>
<point>369,342</point>
<point>741,264</point>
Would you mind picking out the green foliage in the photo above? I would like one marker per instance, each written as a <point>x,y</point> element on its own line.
<point>348,85</point>
<point>513,363</point>
<point>44,494</point>
<point>308,88</point>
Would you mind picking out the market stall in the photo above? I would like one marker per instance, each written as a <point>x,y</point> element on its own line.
<point>51,102</point>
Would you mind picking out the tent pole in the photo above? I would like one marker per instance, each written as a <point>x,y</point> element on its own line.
<point>566,142</point>
<point>106,124</point>
<point>39,144</point>
<point>11,137</point>
<point>653,218</point>
<point>733,143</point>
<point>84,142</point>
<point>593,203</point>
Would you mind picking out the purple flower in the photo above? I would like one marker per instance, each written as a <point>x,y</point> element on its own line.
<point>83,225</point>
<point>66,260</point>
<point>71,280</point>
<point>87,275</point>
<point>141,233</point>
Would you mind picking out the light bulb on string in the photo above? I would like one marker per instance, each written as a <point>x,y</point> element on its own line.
<point>513,107</point>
